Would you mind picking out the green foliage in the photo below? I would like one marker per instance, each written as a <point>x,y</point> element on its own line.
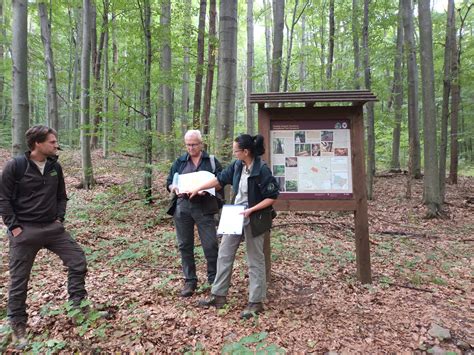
<point>252,344</point>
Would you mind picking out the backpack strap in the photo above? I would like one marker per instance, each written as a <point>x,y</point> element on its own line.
<point>21,165</point>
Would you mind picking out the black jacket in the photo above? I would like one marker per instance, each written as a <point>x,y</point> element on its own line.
<point>209,203</point>
<point>261,185</point>
<point>36,198</point>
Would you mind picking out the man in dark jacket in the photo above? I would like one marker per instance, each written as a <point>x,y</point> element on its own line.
<point>199,211</point>
<point>33,204</point>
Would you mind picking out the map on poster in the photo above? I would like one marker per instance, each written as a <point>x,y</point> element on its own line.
<point>312,158</point>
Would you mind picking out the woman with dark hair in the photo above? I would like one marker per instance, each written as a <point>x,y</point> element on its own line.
<point>255,187</point>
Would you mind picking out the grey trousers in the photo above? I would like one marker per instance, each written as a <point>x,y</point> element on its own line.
<point>255,260</point>
<point>187,215</point>
<point>22,253</point>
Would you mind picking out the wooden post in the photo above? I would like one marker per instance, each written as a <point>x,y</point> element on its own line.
<point>360,196</point>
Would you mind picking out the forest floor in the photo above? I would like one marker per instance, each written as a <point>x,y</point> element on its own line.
<point>420,300</point>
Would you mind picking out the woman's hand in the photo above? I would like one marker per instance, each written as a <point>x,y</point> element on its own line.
<point>247,212</point>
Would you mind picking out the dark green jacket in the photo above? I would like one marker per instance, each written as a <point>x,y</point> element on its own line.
<point>261,185</point>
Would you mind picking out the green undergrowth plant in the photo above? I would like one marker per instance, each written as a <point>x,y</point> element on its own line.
<point>252,344</point>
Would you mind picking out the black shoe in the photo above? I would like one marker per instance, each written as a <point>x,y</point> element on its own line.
<point>19,335</point>
<point>213,301</point>
<point>251,310</point>
<point>188,289</point>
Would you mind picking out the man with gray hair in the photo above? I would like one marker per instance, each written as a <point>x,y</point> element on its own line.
<point>198,211</point>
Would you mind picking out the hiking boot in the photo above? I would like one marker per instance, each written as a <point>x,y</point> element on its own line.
<point>213,301</point>
<point>188,289</point>
<point>251,310</point>
<point>19,335</point>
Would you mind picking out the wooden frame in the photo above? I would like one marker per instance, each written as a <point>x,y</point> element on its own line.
<point>352,112</point>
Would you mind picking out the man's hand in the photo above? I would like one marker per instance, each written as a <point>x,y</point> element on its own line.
<point>247,212</point>
<point>16,232</point>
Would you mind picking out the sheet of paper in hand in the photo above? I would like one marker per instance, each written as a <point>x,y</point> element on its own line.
<point>188,182</point>
<point>232,221</point>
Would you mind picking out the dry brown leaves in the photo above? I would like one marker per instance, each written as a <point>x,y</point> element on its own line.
<point>422,273</point>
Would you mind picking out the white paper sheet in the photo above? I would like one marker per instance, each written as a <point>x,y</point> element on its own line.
<point>232,221</point>
<point>188,182</point>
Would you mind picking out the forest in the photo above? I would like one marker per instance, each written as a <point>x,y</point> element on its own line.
<point>122,81</point>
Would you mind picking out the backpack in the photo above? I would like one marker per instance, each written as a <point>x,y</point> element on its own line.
<point>219,194</point>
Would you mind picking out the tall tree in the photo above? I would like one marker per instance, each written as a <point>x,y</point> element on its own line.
<point>397,95</point>
<point>448,51</point>
<point>430,146</point>
<point>211,63</point>
<point>370,105</point>
<point>267,8</point>
<point>165,66</point>
<point>185,85</point>
<point>278,25</point>
<point>410,50</point>
<point>199,66</point>
<point>227,77</point>
<point>250,68</point>
<point>2,69</point>
<point>20,105</point>
<point>105,94</point>
<point>87,172</point>
<point>331,41</point>
<point>355,42</point>
<point>302,71</point>
<point>146,23</point>
<point>53,115</point>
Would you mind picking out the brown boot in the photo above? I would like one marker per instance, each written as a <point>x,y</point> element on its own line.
<point>19,335</point>
<point>251,310</point>
<point>213,301</point>
<point>188,289</point>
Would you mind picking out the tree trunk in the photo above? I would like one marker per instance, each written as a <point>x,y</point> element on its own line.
<point>410,50</point>
<point>115,119</point>
<point>370,105</point>
<point>2,71</point>
<point>226,81</point>
<point>75,91</point>
<point>211,63</point>
<point>105,95</point>
<point>250,64</point>
<point>87,173</point>
<point>431,173</point>
<point>20,107</point>
<point>355,43</point>
<point>455,101</point>
<point>165,65</point>
<point>331,41</point>
<point>97,61</point>
<point>148,174</point>
<point>199,66</point>
<point>302,72</point>
<point>448,51</point>
<point>185,86</point>
<point>278,25</point>
<point>53,119</point>
<point>397,94</point>
<point>267,6</point>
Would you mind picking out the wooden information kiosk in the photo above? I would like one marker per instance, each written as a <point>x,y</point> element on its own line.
<point>317,155</point>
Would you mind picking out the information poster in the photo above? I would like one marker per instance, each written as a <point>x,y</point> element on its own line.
<point>312,159</point>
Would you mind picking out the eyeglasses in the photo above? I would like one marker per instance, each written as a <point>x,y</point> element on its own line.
<point>237,151</point>
<point>193,145</point>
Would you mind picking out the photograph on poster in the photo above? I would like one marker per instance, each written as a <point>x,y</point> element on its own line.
<point>291,162</point>
<point>315,150</point>
<point>326,147</point>
<point>278,170</point>
<point>303,150</point>
<point>291,186</point>
<point>281,182</point>
<point>327,136</point>
<point>341,152</point>
<point>300,137</point>
<point>278,146</point>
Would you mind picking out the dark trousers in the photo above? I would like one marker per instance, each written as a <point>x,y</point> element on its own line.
<point>23,250</point>
<point>187,215</point>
